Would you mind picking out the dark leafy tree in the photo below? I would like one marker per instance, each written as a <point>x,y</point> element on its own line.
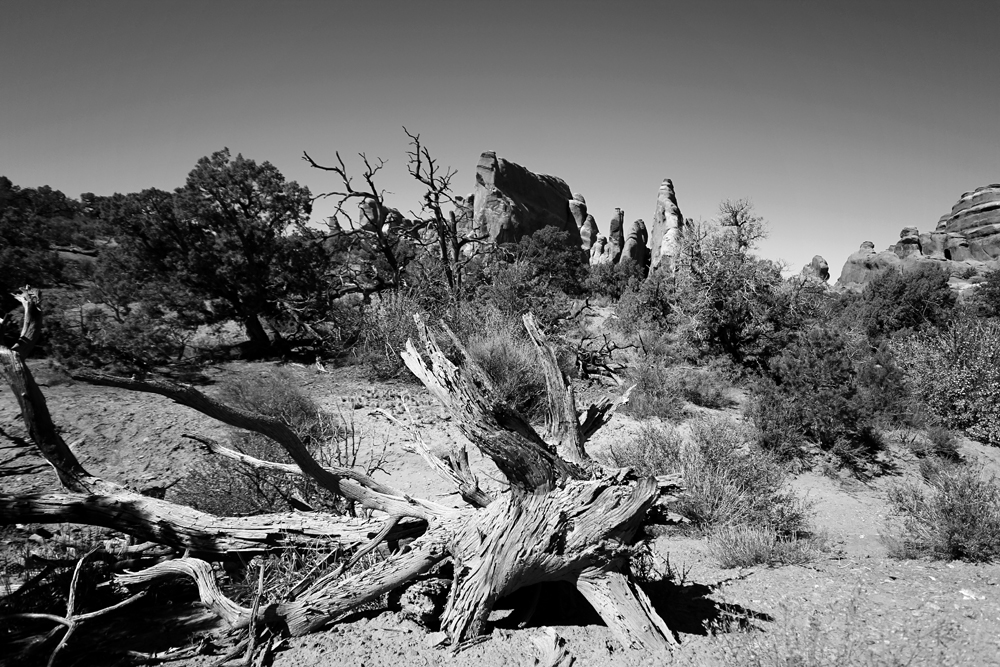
<point>895,301</point>
<point>224,239</point>
<point>727,301</point>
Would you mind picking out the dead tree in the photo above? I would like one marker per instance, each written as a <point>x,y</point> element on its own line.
<point>381,241</point>
<point>564,517</point>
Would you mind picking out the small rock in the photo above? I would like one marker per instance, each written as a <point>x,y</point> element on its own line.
<point>435,639</point>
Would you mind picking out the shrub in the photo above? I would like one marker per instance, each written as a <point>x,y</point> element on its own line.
<point>954,514</point>
<point>814,389</point>
<point>938,442</point>
<point>986,297</point>
<point>511,362</point>
<point>614,280</point>
<point>956,373</point>
<point>387,324</point>
<point>654,394</point>
<point>894,301</point>
<point>661,389</point>
<point>728,479</point>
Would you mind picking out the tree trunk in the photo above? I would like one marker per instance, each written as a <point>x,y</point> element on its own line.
<point>259,340</point>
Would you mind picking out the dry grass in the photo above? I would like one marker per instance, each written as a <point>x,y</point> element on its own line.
<point>746,546</point>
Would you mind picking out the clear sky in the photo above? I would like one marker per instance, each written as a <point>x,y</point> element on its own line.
<point>842,121</point>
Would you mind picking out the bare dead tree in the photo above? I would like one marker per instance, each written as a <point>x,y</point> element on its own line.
<point>378,240</point>
<point>564,518</point>
<point>373,241</point>
<point>456,247</point>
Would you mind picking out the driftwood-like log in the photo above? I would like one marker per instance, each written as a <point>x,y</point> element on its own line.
<point>182,527</point>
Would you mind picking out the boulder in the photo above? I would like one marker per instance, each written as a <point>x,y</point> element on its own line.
<point>511,202</point>
<point>668,223</point>
<point>817,269</point>
<point>589,233</point>
<point>976,216</point>
<point>635,249</point>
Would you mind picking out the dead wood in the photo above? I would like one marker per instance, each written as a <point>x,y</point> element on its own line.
<point>564,519</point>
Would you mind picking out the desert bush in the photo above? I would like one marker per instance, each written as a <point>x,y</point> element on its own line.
<point>653,395</point>
<point>954,514</point>
<point>614,280</point>
<point>728,479</point>
<point>225,487</point>
<point>387,325</point>
<point>938,442</point>
<point>814,389</point>
<point>555,262</point>
<point>894,301</point>
<point>956,373</point>
<point>746,546</point>
<point>511,362</point>
<point>986,297</point>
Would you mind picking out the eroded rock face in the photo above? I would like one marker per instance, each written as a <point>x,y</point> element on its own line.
<point>616,239</point>
<point>665,231</point>
<point>976,216</point>
<point>635,249</point>
<point>599,252</point>
<point>512,202</point>
<point>578,209</point>
<point>589,233</point>
<point>909,243</point>
<point>816,269</point>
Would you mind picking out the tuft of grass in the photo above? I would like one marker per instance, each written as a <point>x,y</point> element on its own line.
<point>746,546</point>
<point>953,514</point>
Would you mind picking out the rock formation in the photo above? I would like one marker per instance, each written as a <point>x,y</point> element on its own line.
<point>976,217</point>
<point>589,233</point>
<point>817,269</point>
<point>965,242</point>
<point>635,249</point>
<point>665,232</point>
<point>908,244</point>
<point>599,252</point>
<point>616,240</point>
<point>865,264</point>
<point>511,202</point>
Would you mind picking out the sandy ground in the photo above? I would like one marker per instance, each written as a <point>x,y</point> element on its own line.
<point>853,606</point>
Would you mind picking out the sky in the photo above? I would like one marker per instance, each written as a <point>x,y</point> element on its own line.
<point>842,121</point>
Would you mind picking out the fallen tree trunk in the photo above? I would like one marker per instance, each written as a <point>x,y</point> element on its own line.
<point>565,518</point>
